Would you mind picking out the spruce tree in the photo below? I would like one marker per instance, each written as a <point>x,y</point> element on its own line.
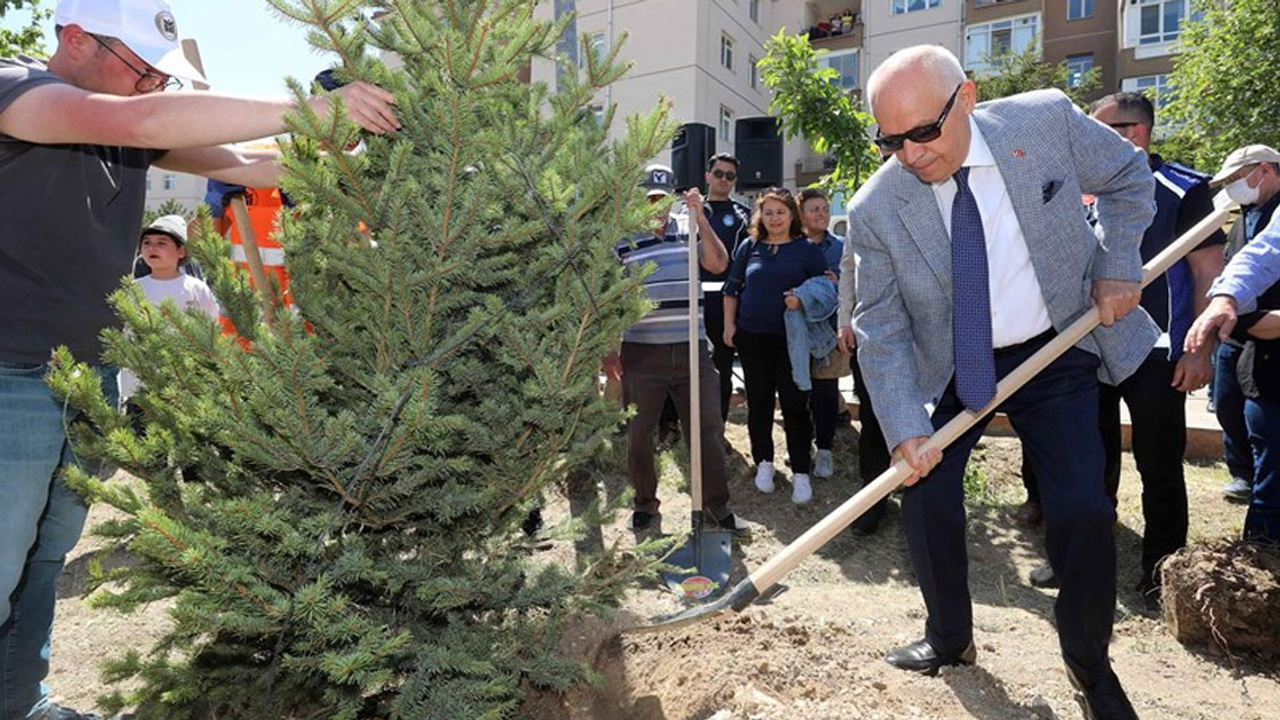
<point>352,546</point>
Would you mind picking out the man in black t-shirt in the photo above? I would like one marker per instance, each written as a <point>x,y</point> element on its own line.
<point>731,220</point>
<point>76,138</point>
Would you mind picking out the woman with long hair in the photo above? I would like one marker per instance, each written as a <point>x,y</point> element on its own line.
<point>759,291</point>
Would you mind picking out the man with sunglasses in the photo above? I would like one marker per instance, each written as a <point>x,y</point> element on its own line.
<point>731,220</point>
<point>76,138</point>
<point>970,250</point>
<point>1156,393</point>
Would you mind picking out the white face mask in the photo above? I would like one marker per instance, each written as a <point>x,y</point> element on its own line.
<point>1240,192</point>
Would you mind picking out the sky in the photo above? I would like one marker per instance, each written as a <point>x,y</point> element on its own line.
<point>247,49</point>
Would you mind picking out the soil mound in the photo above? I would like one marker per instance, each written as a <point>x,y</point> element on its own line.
<point>1225,597</point>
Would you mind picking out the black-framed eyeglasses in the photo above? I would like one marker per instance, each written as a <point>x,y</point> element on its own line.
<point>921,134</point>
<point>724,174</point>
<point>149,81</point>
<point>1122,125</point>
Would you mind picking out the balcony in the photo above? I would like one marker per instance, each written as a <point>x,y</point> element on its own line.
<point>846,40</point>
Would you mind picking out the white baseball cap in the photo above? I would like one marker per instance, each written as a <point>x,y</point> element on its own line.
<point>146,27</point>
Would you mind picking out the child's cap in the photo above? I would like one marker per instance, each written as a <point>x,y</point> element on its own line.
<point>175,226</point>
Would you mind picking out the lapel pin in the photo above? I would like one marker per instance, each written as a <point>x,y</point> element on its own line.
<point>1019,153</point>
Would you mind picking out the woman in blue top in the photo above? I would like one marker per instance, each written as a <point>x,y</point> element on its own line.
<point>757,293</point>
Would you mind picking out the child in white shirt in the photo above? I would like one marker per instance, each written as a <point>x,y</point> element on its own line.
<point>163,248</point>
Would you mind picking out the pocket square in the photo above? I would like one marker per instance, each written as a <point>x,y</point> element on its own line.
<point>1050,189</point>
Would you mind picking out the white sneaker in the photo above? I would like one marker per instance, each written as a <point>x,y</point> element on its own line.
<point>764,477</point>
<point>801,491</point>
<point>823,466</point>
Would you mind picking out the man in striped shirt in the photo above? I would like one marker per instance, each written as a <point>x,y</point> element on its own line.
<point>654,359</point>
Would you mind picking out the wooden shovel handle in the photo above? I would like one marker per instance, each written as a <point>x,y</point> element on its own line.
<point>695,385</point>
<point>253,257</point>
<point>802,547</point>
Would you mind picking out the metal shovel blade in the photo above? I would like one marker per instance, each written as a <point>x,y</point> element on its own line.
<point>699,569</point>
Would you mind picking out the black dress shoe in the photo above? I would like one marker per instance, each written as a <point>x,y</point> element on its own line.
<point>920,657</point>
<point>1105,700</point>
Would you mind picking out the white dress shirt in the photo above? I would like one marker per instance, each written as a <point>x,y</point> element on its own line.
<point>1018,310</point>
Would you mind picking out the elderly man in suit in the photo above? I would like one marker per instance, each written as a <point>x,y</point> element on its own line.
<point>972,249</point>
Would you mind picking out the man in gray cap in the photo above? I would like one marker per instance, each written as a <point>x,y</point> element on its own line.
<point>76,138</point>
<point>1251,177</point>
<point>653,361</point>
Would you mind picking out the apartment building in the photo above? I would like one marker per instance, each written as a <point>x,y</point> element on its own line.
<point>1131,43</point>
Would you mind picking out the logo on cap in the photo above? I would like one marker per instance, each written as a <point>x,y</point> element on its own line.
<point>167,26</point>
<point>660,177</point>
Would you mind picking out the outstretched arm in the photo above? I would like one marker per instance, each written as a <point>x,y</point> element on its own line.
<point>59,113</point>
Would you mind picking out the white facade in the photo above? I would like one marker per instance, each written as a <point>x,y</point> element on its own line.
<point>895,24</point>
<point>698,53</point>
<point>163,185</point>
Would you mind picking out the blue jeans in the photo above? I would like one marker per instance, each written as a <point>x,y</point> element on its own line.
<point>1263,519</point>
<point>1228,403</point>
<point>40,522</point>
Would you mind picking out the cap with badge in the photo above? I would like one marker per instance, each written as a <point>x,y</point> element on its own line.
<point>658,180</point>
<point>1244,157</point>
<point>146,27</point>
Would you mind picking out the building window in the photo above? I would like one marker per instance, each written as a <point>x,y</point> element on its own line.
<point>905,6</point>
<point>726,124</point>
<point>753,72</point>
<point>846,67</point>
<point>753,11</point>
<point>1077,67</point>
<point>993,39</point>
<point>1077,9</point>
<point>1160,21</point>
<point>726,52</point>
<point>170,182</point>
<point>1155,86</point>
<point>595,41</point>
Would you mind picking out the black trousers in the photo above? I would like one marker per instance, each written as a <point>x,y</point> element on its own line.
<point>1055,414</point>
<point>873,452</point>
<point>768,372</point>
<point>721,355</point>
<point>1159,424</point>
<point>824,405</point>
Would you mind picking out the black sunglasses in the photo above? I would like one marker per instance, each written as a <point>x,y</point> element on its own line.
<point>1122,125</point>
<point>724,174</point>
<point>922,134</point>
<point>149,81</point>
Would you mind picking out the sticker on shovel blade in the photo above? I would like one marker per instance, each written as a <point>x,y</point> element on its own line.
<point>698,587</point>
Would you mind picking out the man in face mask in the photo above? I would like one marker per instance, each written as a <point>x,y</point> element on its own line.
<point>1251,177</point>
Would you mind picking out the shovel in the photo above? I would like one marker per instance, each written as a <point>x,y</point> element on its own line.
<point>764,577</point>
<point>698,569</point>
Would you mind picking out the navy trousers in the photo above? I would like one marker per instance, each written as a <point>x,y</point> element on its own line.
<point>1056,416</point>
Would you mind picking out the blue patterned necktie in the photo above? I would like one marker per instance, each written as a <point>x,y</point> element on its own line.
<point>970,300</point>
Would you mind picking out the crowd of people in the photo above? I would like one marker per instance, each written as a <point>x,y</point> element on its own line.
<point>1041,211</point>
<point>968,251</point>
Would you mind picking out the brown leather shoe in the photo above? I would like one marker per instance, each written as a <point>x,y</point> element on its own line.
<point>1028,515</point>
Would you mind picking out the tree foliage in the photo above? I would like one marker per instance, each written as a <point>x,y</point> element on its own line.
<point>811,105</point>
<point>169,207</point>
<point>29,38</point>
<point>1018,72</point>
<point>1224,82</point>
<point>352,546</point>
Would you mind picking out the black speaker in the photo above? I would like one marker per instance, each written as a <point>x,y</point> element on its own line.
<point>690,149</point>
<point>758,145</point>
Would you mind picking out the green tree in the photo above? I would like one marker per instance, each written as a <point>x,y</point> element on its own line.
<point>1225,81</point>
<point>29,39</point>
<point>169,207</point>
<point>1018,72</point>
<point>352,547</point>
<point>810,104</point>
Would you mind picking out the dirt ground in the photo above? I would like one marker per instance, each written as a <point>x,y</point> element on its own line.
<point>813,648</point>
